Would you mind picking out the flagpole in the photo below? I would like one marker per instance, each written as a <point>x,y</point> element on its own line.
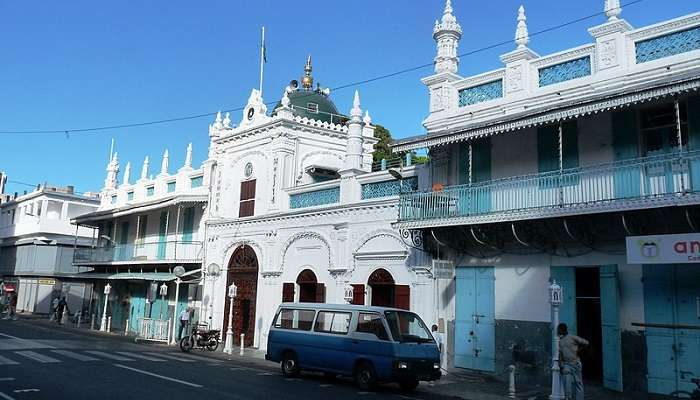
<point>262,59</point>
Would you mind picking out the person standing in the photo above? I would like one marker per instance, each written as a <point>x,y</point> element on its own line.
<point>184,321</point>
<point>59,310</point>
<point>569,348</point>
<point>13,306</point>
<point>54,308</point>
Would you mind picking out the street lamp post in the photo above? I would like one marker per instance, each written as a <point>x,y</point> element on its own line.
<point>348,293</point>
<point>163,293</point>
<point>103,322</point>
<point>232,292</point>
<point>555,299</point>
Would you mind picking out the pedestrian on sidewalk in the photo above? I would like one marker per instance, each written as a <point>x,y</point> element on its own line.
<point>13,306</point>
<point>54,308</point>
<point>569,348</point>
<point>184,321</point>
<point>62,305</point>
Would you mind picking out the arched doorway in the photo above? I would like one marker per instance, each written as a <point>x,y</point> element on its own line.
<point>385,292</point>
<point>243,271</point>
<point>310,291</point>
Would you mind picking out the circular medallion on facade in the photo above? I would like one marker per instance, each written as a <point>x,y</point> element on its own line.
<point>213,269</point>
<point>251,112</point>
<point>248,170</point>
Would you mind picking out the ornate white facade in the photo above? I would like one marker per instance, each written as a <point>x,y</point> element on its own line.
<point>297,214</point>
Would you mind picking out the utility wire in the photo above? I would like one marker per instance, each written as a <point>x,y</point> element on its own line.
<point>67,132</point>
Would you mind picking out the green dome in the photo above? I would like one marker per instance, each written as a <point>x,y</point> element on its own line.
<point>313,104</point>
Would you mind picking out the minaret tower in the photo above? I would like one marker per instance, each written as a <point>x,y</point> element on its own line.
<point>447,34</point>
<point>112,171</point>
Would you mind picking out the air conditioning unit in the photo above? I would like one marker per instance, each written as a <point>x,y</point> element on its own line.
<point>443,269</point>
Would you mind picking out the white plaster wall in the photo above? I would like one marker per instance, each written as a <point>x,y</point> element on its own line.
<point>522,292</point>
<point>631,290</point>
<point>514,154</point>
<point>233,174</point>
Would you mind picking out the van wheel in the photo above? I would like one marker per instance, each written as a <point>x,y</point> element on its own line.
<point>290,365</point>
<point>408,385</point>
<point>365,376</point>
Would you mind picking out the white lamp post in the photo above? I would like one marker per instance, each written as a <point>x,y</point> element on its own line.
<point>555,299</point>
<point>163,292</point>
<point>232,292</point>
<point>103,322</point>
<point>348,293</point>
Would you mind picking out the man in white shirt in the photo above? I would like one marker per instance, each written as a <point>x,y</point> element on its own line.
<point>184,321</point>
<point>438,339</point>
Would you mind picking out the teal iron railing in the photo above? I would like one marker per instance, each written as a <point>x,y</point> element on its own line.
<point>672,174</point>
<point>151,251</point>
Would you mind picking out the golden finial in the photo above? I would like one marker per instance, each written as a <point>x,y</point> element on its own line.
<point>307,81</point>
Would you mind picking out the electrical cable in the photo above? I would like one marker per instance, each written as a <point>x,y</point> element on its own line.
<point>67,132</point>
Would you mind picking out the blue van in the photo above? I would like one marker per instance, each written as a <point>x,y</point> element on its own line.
<point>372,344</point>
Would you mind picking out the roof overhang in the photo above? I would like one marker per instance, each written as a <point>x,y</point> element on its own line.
<point>86,219</point>
<point>565,112</point>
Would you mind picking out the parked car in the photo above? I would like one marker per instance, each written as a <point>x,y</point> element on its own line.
<point>371,344</point>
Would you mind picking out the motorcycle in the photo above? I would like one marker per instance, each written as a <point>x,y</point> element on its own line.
<point>200,337</point>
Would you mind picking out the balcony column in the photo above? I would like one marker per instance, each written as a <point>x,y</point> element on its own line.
<point>167,226</point>
<point>561,163</point>
<point>177,226</point>
<point>680,140</point>
<point>470,163</point>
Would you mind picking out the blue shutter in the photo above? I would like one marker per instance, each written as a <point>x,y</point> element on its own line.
<point>610,321</point>
<point>626,146</point>
<point>566,278</point>
<point>188,225</point>
<point>693,111</point>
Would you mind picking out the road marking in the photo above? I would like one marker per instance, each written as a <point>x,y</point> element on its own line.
<point>171,357</point>
<point>74,355</point>
<point>158,376</point>
<point>110,356</point>
<point>37,357</point>
<point>325,385</point>
<point>6,396</point>
<point>10,336</point>
<point>141,356</point>
<point>7,361</point>
<point>25,390</point>
<point>6,379</point>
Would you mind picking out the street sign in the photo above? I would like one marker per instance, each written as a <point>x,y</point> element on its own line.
<point>47,281</point>
<point>443,269</point>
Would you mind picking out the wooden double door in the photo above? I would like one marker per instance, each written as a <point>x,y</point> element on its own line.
<point>243,271</point>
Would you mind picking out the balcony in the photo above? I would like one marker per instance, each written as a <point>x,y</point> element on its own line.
<point>654,181</point>
<point>142,253</point>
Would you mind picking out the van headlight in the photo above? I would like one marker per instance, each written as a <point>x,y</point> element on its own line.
<point>436,365</point>
<point>402,365</point>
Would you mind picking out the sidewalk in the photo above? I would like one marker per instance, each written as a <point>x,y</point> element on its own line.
<point>457,383</point>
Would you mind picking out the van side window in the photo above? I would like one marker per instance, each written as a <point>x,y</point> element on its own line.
<point>372,323</point>
<point>295,319</point>
<point>333,322</point>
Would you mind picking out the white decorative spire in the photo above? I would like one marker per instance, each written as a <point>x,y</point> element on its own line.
<point>188,156</point>
<point>112,171</point>
<point>227,121</point>
<point>447,33</point>
<point>522,38</point>
<point>127,173</point>
<point>144,169</point>
<point>367,119</point>
<point>285,100</point>
<point>612,9</point>
<point>218,122</point>
<point>353,156</point>
<point>164,163</point>
<point>356,111</point>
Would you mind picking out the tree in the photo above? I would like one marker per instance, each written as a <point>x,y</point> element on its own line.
<point>381,149</point>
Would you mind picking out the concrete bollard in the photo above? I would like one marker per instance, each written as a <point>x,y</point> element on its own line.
<point>109,324</point>
<point>242,341</point>
<point>511,381</point>
<point>64,318</point>
<point>92,322</point>
<point>126,325</point>
<point>80,315</point>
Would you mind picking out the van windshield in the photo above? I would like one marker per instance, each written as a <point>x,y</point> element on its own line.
<point>407,327</point>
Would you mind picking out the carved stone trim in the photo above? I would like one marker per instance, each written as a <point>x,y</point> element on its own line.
<point>568,55</point>
<point>307,235</point>
<point>663,28</point>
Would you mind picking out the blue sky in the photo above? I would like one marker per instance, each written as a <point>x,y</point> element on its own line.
<point>78,64</point>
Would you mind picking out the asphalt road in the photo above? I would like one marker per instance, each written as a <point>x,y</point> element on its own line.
<point>42,362</point>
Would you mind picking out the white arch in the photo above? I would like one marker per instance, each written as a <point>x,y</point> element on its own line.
<point>306,235</point>
<point>231,248</point>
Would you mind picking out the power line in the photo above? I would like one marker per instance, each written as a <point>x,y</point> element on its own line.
<point>67,132</point>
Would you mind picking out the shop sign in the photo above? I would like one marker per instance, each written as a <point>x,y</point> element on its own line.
<point>664,249</point>
<point>47,282</point>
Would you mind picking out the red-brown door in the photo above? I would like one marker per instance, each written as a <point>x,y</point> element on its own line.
<point>243,271</point>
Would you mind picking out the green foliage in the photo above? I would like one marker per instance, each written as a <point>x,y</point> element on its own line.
<point>381,149</point>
